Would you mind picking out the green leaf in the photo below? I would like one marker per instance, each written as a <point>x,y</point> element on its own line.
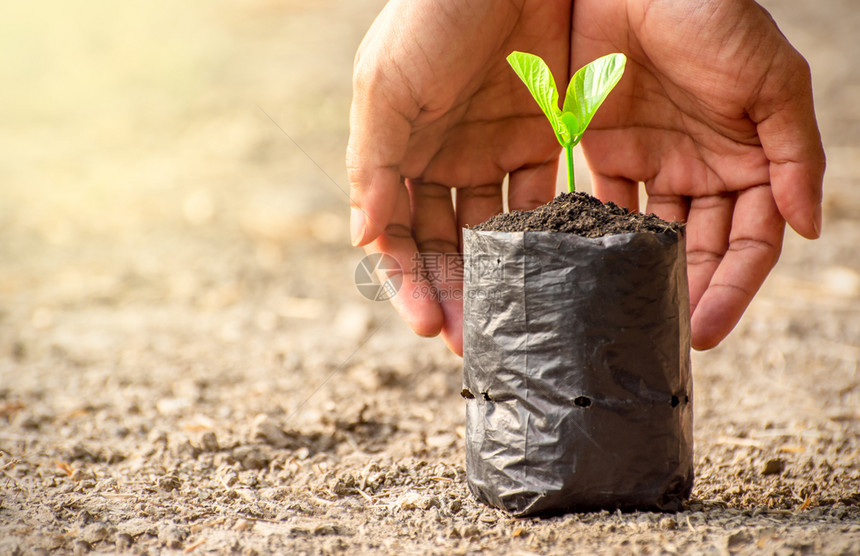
<point>571,122</point>
<point>538,78</point>
<point>586,92</point>
<point>590,87</point>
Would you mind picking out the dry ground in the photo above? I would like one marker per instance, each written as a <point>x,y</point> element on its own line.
<point>186,366</point>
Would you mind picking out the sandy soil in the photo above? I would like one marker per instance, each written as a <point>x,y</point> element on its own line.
<point>187,367</point>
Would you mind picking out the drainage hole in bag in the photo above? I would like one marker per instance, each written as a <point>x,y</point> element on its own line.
<point>582,401</point>
<point>466,393</point>
<point>677,400</point>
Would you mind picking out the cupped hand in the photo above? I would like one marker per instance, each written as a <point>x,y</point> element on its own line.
<point>436,108</point>
<point>715,115</point>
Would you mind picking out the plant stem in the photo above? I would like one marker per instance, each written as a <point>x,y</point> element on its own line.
<point>571,182</point>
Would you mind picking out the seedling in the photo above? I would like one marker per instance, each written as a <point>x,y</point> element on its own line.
<point>586,92</point>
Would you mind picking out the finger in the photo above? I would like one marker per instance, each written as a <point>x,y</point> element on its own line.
<point>755,243</point>
<point>474,205</point>
<point>786,125</point>
<point>452,302</point>
<point>420,310</point>
<point>621,191</point>
<point>707,234</point>
<point>477,204</point>
<point>532,186</point>
<point>616,178</point>
<point>379,134</point>
<point>434,227</point>
<point>433,223</point>
<point>672,208</point>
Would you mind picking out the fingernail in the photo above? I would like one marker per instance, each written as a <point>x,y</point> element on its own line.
<point>356,225</point>
<point>816,220</point>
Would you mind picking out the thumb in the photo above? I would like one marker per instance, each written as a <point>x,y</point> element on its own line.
<point>377,143</point>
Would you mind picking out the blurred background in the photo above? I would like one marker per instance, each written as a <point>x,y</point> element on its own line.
<point>177,168</point>
<point>121,123</point>
<point>139,166</point>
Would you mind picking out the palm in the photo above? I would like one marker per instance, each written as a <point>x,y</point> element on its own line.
<point>472,145</point>
<point>453,115</point>
<point>688,122</point>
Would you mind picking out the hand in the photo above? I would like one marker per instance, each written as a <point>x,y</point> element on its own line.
<point>714,114</point>
<point>437,107</point>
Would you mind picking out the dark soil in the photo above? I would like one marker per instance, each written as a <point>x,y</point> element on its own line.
<point>580,214</point>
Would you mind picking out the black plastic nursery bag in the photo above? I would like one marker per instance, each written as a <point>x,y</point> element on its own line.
<point>577,371</point>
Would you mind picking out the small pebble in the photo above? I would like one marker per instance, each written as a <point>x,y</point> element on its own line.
<point>124,541</point>
<point>82,475</point>
<point>95,532</point>
<point>209,442</point>
<point>84,518</point>
<point>470,531</point>
<point>27,422</point>
<point>737,539</point>
<point>410,501</point>
<point>187,450</point>
<point>243,525</point>
<point>228,476</point>
<point>325,529</point>
<point>250,457</point>
<point>268,430</point>
<point>172,536</point>
<point>80,452</point>
<point>432,502</point>
<point>157,436</point>
<point>773,467</point>
<point>169,483</point>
